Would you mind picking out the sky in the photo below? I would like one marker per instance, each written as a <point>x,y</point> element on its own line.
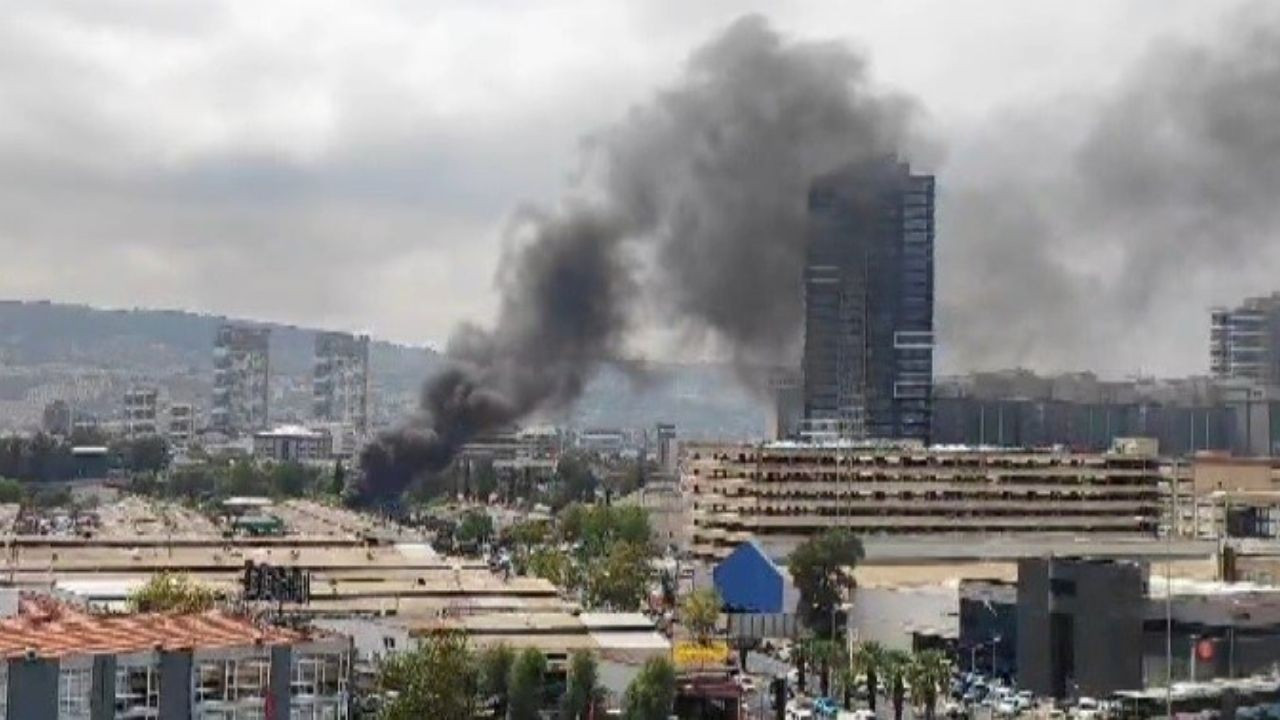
<point>354,164</point>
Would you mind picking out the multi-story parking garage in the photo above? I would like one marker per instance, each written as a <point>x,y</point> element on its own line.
<point>782,492</point>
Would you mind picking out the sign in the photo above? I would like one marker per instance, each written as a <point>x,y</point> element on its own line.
<point>276,584</point>
<point>1204,650</point>
<point>691,654</point>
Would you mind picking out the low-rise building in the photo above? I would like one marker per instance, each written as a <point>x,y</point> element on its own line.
<point>61,663</point>
<point>782,492</point>
<point>293,443</point>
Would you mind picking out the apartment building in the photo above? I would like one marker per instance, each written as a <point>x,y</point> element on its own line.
<point>1244,341</point>
<point>182,424</point>
<point>141,411</point>
<point>782,492</point>
<point>61,664</point>
<point>340,379</point>
<point>293,443</point>
<point>241,371</point>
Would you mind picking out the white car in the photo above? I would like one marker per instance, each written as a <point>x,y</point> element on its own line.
<point>1086,709</point>
<point>746,683</point>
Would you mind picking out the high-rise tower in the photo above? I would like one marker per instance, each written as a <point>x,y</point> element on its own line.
<point>868,353</point>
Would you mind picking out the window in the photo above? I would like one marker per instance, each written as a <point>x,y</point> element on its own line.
<point>1062,588</point>
<point>74,685</point>
<point>137,692</point>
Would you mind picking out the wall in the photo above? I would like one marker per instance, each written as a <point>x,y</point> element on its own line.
<point>892,616</point>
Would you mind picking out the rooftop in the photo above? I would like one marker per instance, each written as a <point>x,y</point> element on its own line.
<point>53,630</point>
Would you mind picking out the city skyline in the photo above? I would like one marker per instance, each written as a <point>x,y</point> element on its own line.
<point>402,222</point>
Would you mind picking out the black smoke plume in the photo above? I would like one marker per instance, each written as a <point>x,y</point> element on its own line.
<point>693,207</point>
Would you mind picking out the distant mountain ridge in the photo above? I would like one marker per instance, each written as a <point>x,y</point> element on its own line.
<point>167,341</point>
<point>48,349</point>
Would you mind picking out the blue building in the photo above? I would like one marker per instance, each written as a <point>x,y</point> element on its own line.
<point>750,582</point>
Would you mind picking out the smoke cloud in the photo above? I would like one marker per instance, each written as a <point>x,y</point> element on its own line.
<point>692,208</point>
<point>1097,232</point>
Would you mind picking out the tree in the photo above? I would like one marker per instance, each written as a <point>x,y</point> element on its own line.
<point>476,527</point>
<point>895,668</point>
<point>339,481</point>
<point>827,655</point>
<point>555,567</point>
<point>169,593</point>
<point>620,580</point>
<point>699,612</point>
<point>485,480</point>
<point>574,481</point>
<point>820,569</point>
<point>524,698</point>
<point>438,679</point>
<point>868,659</point>
<point>148,454</point>
<point>290,479</point>
<point>495,673</point>
<point>583,695</point>
<point>11,491</point>
<point>929,672</point>
<point>653,692</point>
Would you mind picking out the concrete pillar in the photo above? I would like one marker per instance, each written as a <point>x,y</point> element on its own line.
<point>175,684</point>
<point>278,695</point>
<point>33,689</point>
<point>102,698</point>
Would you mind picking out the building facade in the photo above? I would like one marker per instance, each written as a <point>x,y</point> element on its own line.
<point>141,411</point>
<point>241,374</point>
<point>340,380</point>
<point>868,352</point>
<point>293,443</point>
<point>781,493</point>
<point>1080,626</point>
<point>1244,341</point>
<point>203,667</point>
<point>182,424</point>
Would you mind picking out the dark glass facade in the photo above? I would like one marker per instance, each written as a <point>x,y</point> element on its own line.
<point>868,356</point>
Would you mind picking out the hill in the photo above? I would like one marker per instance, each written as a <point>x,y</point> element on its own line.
<point>88,356</point>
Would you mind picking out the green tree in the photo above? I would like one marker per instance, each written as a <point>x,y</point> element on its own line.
<point>339,482</point>
<point>619,580</point>
<point>827,655</point>
<point>484,480</point>
<point>555,567</point>
<point>290,479</point>
<point>929,673</point>
<point>438,679</point>
<point>495,673</point>
<point>868,660</point>
<point>476,527</point>
<point>699,612</point>
<point>170,593</point>
<point>148,454</point>
<point>583,697</point>
<point>652,694</point>
<point>574,481</point>
<point>897,664</point>
<point>524,698</point>
<point>11,491</point>
<point>820,568</point>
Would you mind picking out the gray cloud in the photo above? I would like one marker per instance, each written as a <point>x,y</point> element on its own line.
<point>1156,202</point>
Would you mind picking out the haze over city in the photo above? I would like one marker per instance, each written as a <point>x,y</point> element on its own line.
<point>359,165</point>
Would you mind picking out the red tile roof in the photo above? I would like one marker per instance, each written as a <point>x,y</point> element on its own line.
<point>52,630</point>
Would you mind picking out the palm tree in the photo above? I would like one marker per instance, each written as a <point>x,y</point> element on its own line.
<point>868,659</point>
<point>827,655</point>
<point>929,672</point>
<point>895,667</point>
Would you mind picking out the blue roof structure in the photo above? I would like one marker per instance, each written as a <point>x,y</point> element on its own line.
<point>748,581</point>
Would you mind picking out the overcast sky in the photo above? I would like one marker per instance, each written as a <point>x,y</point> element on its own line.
<point>352,164</point>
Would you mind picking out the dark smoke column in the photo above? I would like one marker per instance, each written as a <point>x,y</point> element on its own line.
<point>698,202</point>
